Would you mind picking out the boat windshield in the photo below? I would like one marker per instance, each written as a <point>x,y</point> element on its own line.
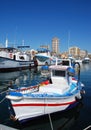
<point>9,49</point>
<point>43,50</point>
<point>65,63</point>
<point>58,73</point>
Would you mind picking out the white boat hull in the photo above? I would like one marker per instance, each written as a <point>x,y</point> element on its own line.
<point>7,64</point>
<point>28,108</point>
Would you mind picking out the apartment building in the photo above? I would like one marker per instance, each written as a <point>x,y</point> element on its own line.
<point>55,45</point>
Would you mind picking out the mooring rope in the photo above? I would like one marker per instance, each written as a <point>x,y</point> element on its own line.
<point>50,122</point>
<point>48,115</point>
<point>3,93</point>
<point>2,99</point>
<point>87,127</point>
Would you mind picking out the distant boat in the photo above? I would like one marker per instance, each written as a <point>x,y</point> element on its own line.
<point>12,59</point>
<point>86,60</point>
<point>79,60</point>
<point>44,56</point>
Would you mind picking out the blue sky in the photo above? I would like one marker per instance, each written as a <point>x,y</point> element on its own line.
<point>38,21</point>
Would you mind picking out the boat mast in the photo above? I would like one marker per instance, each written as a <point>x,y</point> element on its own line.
<point>68,42</point>
<point>6,43</point>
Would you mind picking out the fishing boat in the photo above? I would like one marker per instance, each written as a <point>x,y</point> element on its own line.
<point>12,59</point>
<point>61,91</point>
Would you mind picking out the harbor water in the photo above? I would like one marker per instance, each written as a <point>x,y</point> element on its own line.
<point>78,118</point>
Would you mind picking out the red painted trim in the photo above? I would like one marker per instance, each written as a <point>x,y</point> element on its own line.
<point>43,104</point>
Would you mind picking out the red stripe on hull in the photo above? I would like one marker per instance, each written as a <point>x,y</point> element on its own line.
<point>50,105</point>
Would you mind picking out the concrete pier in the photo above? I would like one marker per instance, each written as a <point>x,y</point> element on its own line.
<point>4,127</point>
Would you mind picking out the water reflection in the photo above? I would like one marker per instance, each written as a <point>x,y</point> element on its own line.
<point>19,78</point>
<point>5,78</point>
<point>85,67</point>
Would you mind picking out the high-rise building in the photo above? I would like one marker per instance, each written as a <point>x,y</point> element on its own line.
<point>55,45</point>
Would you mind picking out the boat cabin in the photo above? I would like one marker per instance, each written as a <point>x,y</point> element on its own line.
<point>67,62</point>
<point>14,53</point>
<point>58,74</point>
<point>58,71</point>
<point>61,74</point>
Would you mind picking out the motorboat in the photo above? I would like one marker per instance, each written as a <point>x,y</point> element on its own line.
<point>44,55</point>
<point>86,60</point>
<point>61,91</point>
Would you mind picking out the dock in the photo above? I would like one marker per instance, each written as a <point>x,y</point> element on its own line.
<point>4,127</point>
